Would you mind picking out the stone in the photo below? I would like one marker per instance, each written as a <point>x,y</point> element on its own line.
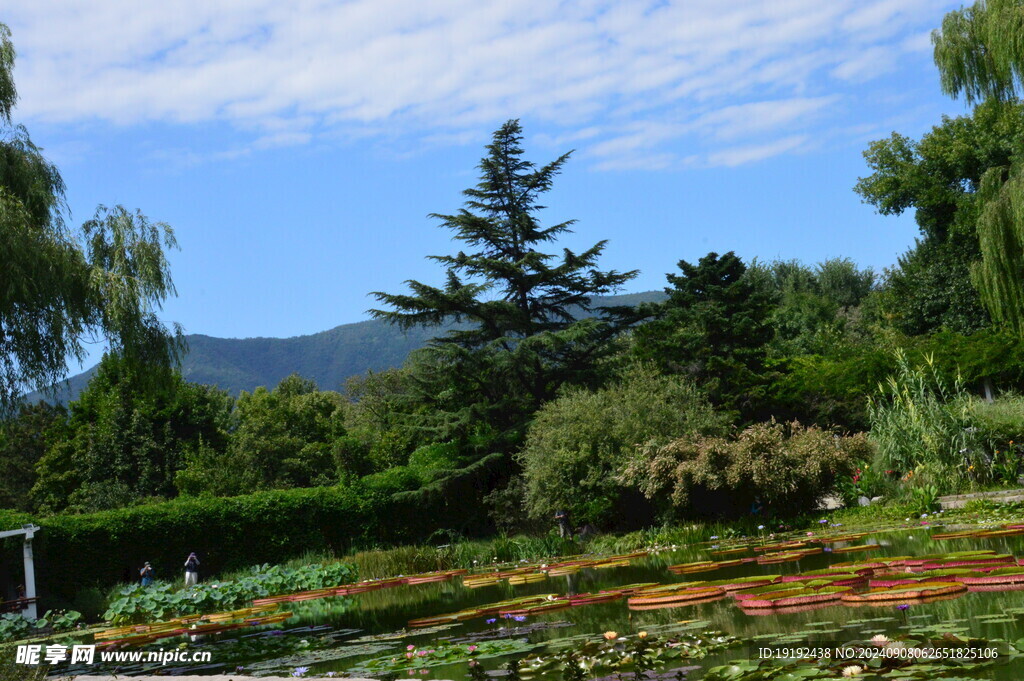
<point>875,500</point>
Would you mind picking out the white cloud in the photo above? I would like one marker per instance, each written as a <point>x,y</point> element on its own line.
<point>737,156</point>
<point>638,75</point>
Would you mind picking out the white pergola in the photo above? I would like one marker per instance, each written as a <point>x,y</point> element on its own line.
<point>30,571</point>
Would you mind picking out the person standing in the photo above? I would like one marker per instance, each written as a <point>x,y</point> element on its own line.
<point>191,570</point>
<point>146,573</point>
<point>564,528</point>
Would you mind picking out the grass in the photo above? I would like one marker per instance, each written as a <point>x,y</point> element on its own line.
<point>9,671</point>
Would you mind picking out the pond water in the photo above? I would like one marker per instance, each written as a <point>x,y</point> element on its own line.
<point>340,634</point>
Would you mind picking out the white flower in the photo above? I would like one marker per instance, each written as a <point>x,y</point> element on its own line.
<point>760,527</point>
<point>924,515</point>
<point>880,639</point>
<point>852,671</point>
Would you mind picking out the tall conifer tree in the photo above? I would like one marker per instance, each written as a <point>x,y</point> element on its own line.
<point>523,314</point>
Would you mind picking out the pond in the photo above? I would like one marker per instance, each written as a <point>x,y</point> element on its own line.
<point>368,633</point>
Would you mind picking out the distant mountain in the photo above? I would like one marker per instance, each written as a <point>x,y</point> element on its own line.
<point>328,357</point>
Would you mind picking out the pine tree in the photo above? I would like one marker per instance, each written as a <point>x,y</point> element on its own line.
<point>524,314</point>
<point>714,328</point>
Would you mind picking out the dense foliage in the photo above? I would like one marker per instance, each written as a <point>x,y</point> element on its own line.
<point>285,437</point>
<point>714,329</point>
<point>578,443</point>
<point>161,600</point>
<point>125,439</point>
<point>767,469</point>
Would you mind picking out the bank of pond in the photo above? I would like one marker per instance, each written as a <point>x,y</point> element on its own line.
<point>909,600</point>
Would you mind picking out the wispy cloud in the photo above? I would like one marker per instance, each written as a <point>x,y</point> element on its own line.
<point>654,83</point>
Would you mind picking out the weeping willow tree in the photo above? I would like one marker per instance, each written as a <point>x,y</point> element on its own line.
<point>999,275</point>
<point>980,54</point>
<point>61,288</point>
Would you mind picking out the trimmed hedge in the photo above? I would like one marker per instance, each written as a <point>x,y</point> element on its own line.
<point>75,552</point>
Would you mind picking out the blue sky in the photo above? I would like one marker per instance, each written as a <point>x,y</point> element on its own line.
<point>297,147</point>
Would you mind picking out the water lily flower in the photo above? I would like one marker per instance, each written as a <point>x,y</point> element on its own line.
<point>410,647</point>
<point>610,635</point>
<point>880,639</point>
<point>424,672</point>
<point>471,648</point>
<point>300,671</point>
<point>491,621</point>
<point>642,634</point>
<point>810,534</point>
<point>903,606</point>
<point>408,655</point>
<point>852,671</point>
<point>823,521</point>
<point>520,618</point>
<point>421,653</point>
<point>714,536</point>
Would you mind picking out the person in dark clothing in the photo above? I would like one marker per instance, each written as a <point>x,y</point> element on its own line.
<point>146,573</point>
<point>564,528</point>
<point>191,570</point>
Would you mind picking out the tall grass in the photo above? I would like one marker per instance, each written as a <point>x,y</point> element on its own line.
<point>405,560</point>
<point>9,671</point>
<point>920,420</point>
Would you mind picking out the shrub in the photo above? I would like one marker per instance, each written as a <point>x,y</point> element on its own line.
<point>1001,420</point>
<point>578,442</point>
<point>786,467</point>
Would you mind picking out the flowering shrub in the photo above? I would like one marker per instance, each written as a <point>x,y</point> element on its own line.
<point>785,466</point>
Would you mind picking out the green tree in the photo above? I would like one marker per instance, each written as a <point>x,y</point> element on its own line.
<point>523,335</point>
<point>282,438</point>
<point>980,56</point>
<point>126,439</point>
<point>713,328</point>
<point>579,442</point>
<point>811,305</point>
<point>979,52</point>
<point>58,288</point>
<point>24,439</point>
<point>940,178</point>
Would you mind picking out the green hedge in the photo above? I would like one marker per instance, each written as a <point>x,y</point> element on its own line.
<point>74,552</point>
<point>93,550</point>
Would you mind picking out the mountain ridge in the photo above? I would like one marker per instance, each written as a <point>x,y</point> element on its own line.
<point>327,357</point>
